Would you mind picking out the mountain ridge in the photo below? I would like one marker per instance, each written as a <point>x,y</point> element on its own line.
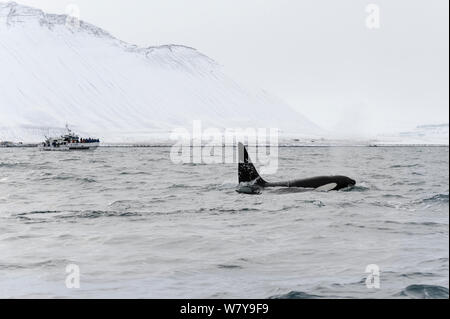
<point>50,20</point>
<point>99,85</point>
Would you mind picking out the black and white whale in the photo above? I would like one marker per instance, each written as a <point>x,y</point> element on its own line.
<point>250,181</point>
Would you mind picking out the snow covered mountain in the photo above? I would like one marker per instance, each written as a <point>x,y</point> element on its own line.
<point>52,74</point>
<point>429,134</point>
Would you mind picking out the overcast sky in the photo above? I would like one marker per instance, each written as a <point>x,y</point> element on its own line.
<point>317,55</point>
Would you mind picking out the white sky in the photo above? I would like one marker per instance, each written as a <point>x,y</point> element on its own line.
<point>318,55</point>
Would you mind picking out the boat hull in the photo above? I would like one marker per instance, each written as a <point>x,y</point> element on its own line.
<point>54,149</point>
<point>71,147</point>
<point>83,146</point>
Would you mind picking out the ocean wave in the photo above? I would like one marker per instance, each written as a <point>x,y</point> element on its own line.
<point>33,216</point>
<point>224,266</point>
<point>424,292</point>
<point>64,214</point>
<point>442,260</point>
<point>418,274</point>
<point>243,209</point>
<point>438,198</point>
<point>314,202</point>
<point>99,213</point>
<point>127,205</point>
<point>219,187</point>
<point>179,186</point>
<point>392,196</point>
<point>385,204</point>
<point>71,159</point>
<point>381,176</point>
<point>13,165</point>
<point>404,166</point>
<point>194,164</point>
<point>356,188</point>
<point>49,263</point>
<point>68,178</point>
<point>249,189</point>
<point>426,223</point>
<point>39,212</point>
<point>135,173</point>
<point>295,295</point>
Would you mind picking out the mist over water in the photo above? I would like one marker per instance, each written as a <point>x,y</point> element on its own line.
<point>140,226</point>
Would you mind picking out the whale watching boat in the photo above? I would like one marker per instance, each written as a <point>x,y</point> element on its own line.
<point>68,142</point>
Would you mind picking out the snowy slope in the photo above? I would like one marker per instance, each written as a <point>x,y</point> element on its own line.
<point>430,134</point>
<point>52,74</point>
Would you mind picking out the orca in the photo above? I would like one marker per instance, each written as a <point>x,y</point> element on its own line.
<point>252,181</point>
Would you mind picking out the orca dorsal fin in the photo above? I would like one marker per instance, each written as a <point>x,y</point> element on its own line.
<point>246,170</point>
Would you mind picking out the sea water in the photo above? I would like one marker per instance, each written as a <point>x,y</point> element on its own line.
<point>135,224</point>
